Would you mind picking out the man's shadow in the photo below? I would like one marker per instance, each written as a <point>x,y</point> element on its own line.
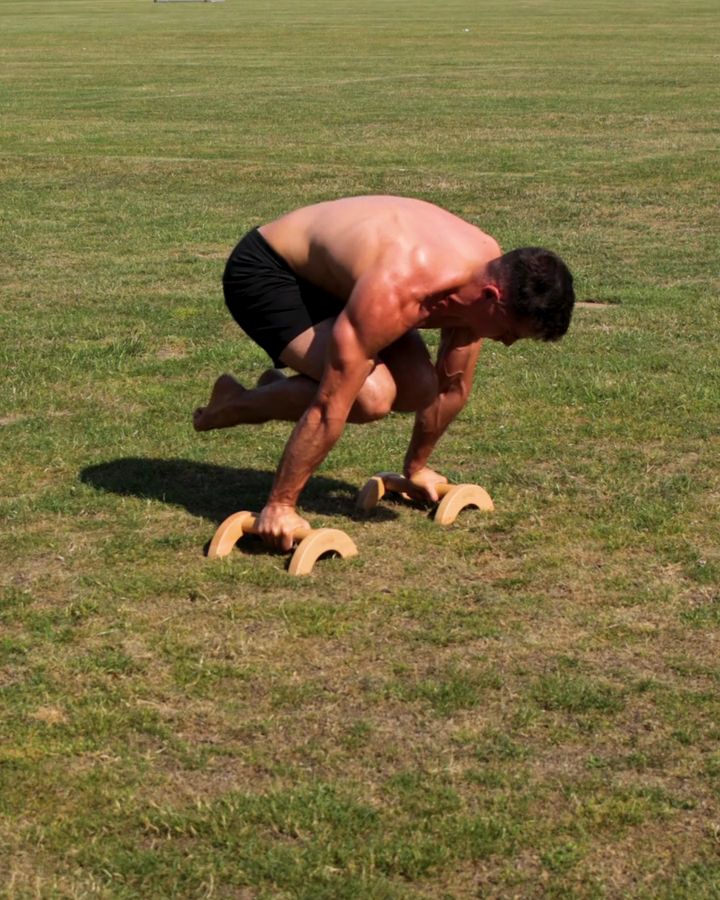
<point>215,492</point>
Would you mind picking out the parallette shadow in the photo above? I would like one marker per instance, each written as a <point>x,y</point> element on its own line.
<point>214,492</point>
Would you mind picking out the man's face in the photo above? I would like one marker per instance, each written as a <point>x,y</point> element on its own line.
<point>506,328</point>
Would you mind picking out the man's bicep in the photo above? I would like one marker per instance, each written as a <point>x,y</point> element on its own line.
<point>346,367</point>
<point>379,312</point>
<point>348,346</point>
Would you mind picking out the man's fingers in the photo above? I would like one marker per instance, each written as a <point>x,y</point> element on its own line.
<point>278,539</point>
<point>278,528</point>
<point>423,494</point>
<point>426,488</point>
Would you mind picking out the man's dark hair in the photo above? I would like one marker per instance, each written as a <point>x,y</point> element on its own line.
<point>539,288</point>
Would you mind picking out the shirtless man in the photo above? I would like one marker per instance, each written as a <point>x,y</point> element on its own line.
<point>337,292</point>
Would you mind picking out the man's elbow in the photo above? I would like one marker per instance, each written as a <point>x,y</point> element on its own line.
<point>456,392</point>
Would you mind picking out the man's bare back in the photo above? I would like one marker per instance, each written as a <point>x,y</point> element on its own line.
<point>333,244</point>
<point>363,274</point>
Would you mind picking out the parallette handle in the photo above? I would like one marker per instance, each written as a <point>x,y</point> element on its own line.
<point>249,526</point>
<point>398,484</point>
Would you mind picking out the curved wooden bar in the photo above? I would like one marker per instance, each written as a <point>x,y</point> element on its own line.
<point>379,485</point>
<point>454,497</point>
<point>458,497</point>
<point>229,533</point>
<point>371,494</point>
<point>318,542</point>
<point>314,542</point>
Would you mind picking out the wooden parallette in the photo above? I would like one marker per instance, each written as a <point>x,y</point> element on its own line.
<point>454,497</point>
<point>313,542</point>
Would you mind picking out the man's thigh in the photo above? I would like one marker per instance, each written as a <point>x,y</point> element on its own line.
<point>407,361</point>
<point>307,352</point>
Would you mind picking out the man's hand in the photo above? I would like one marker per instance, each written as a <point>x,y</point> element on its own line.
<point>426,481</point>
<point>276,525</point>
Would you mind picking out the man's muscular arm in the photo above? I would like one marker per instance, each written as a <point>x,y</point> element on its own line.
<point>456,361</point>
<point>371,320</point>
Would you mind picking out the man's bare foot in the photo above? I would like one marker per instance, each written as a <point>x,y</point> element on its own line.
<point>269,376</point>
<point>222,409</point>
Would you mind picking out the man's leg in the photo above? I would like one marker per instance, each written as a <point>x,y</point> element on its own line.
<point>231,404</point>
<point>402,379</point>
<point>409,364</point>
<point>279,398</point>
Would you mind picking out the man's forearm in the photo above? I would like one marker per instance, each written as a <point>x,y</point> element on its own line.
<point>430,425</point>
<point>313,438</point>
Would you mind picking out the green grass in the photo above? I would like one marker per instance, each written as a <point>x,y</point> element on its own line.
<point>525,704</point>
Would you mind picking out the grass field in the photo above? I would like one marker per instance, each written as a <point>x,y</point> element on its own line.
<point>525,704</point>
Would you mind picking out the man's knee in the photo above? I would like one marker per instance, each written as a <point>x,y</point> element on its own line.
<point>376,397</point>
<point>419,391</point>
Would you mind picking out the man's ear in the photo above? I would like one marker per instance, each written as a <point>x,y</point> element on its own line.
<point>491,293</point>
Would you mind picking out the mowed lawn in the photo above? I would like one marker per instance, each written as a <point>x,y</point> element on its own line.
<point>524,704</point>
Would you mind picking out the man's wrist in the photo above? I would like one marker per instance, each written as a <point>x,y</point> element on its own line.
<point>411,467</point>
<point>274,503</point>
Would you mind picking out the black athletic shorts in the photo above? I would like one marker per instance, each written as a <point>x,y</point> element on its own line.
<point>268,300</point>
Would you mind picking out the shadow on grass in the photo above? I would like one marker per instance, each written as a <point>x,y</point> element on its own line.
<point>214,492</point>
